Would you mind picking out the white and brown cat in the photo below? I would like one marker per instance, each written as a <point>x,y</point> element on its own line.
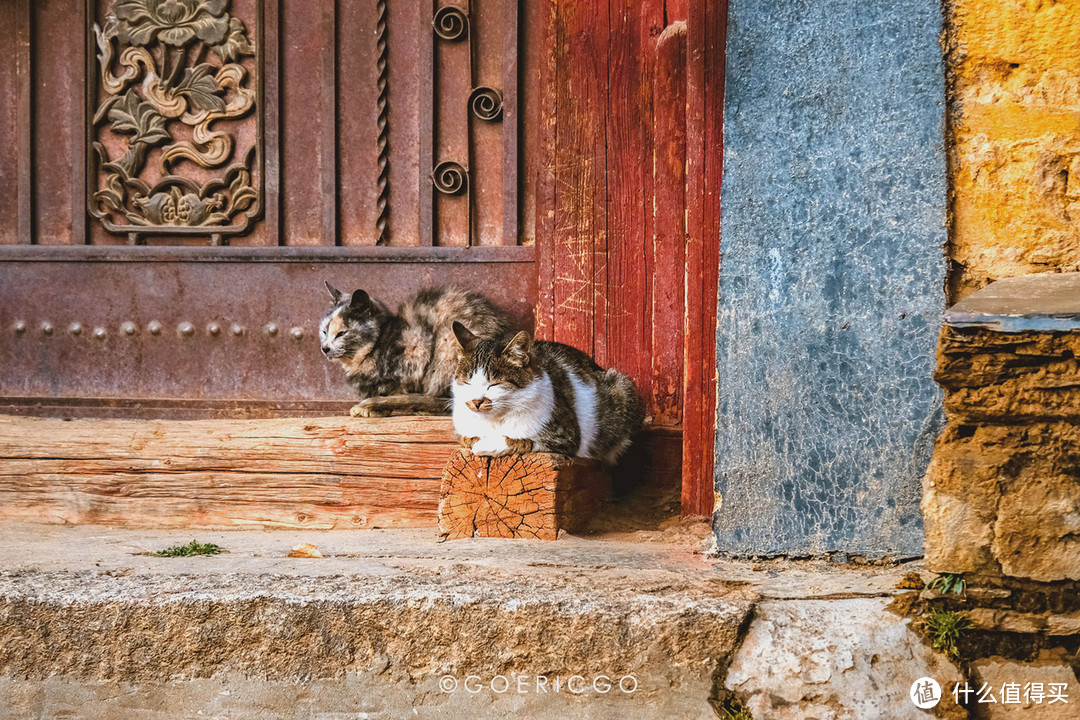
<point>524,396</point>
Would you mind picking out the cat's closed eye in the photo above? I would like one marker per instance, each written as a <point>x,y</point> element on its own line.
<point>339,334</point>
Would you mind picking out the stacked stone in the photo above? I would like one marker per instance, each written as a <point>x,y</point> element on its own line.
<point>1002,495</point>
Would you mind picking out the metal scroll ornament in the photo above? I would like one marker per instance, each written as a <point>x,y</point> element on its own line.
<point>450,178</point>
<point>486,103</point>
<point>173,134</point>
<point>451,23</point>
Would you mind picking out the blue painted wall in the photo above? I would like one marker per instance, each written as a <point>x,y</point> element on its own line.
<point>832,275</point>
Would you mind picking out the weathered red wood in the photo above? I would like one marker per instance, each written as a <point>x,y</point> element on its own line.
<point>357,118</point>
<point>24,116</point>
<point>580,167</point>
<point>9,118</point>
<point>676,10</point>
<point>669,226</point>
<point>328,125</point>
<point>624,327</point>
<point>636,284</point>
<point>545,173</point>
<point>705,82</point>
<point>304,119</point>
<point>58,70</point>
<point>272,231</point>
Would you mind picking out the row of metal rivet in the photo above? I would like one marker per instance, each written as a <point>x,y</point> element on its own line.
<point>185,329</point>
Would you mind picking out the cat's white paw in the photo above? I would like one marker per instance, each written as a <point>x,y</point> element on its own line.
<point>492,446</point>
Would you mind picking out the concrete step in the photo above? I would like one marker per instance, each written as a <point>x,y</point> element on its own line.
<point>388,624</point>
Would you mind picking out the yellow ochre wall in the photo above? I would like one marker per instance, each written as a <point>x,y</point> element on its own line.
<point>1014,128</point>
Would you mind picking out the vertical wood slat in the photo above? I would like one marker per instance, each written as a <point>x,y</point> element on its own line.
<point>9,125</point>
<point>511,151</point>
<point>358,123</point>
<point>426,224</point>
<point>452,131</point>
<point>705,84</point>
<point>271,83</point>
<point>57,41</point>
<point>79,120</point>
<point>624,327</point>
<point>24,119</point>
<point>471,140</point>
<point>545,181</point>
<point>580,167</point>
<point>329,124</point>
<point>306,141</point>
<point>669,226</point>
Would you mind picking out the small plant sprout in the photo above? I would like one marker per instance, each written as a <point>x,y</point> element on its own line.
<point>948,583</point>
<point>945,628</point>
<point>732,709</point>
<point>191,549</point>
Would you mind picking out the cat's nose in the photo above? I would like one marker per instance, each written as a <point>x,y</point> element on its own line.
<point>326,349</point>
<point>481,405</point>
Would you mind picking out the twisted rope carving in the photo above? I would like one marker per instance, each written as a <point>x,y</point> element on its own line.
<point>382,203</point>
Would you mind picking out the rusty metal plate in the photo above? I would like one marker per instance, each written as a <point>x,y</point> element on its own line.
<point>144,331</point>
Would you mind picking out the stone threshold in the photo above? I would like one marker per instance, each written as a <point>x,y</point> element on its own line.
<point>92,626</point>
<point>1042,302</point>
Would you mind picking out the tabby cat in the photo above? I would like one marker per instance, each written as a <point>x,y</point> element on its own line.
<point>526,396</point>
<point>404,362</point>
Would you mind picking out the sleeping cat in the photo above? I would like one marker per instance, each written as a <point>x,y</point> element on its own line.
<point>403,362</point>
<point>526,396</point>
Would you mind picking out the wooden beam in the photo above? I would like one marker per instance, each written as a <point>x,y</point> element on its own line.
<point>295,472</point>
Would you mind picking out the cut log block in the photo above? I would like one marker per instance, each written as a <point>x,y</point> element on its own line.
<point>518,496</point>
<point>320,473</point>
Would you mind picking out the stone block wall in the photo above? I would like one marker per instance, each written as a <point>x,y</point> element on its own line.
<point>1002,495</point>
<point>1014,124</point>
<point>831,285</point>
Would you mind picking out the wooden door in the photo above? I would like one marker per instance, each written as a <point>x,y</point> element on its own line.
<point>178,178</point>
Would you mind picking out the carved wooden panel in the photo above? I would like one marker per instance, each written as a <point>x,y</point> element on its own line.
<point>175,130</point>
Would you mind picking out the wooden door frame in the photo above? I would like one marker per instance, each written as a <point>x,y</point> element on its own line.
<point>586,188</point>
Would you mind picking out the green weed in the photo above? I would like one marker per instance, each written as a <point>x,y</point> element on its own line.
<point>945,628</point>
<point>189,550</point>
<point>732,709</point>
<point>948,583</point>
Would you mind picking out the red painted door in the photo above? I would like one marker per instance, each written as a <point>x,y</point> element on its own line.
<point>629,206</point>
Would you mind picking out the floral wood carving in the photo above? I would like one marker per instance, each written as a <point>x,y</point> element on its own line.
<point>175,133</point>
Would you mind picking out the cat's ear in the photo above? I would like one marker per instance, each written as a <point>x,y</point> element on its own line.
<point>517,350</point>
<point>335,294</point>
<point>465,338</point>
<point>360,300</point>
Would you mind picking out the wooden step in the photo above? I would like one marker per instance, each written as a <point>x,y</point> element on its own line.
<point>332,472</point>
